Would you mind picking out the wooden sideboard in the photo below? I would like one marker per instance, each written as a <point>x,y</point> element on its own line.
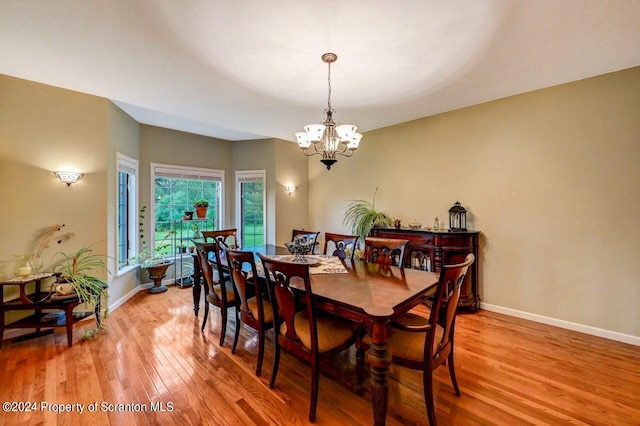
<point>429,250</point>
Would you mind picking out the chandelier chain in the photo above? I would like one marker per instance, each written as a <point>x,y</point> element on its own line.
<point>329,83</point>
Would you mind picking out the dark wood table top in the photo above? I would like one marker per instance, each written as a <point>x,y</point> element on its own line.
<point>374,290</point>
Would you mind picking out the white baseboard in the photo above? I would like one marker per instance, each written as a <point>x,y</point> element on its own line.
<point>116,304</point>
<point>594,331</point>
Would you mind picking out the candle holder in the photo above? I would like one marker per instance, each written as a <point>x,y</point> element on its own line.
<point>457,217</point>
<point>24,265</point>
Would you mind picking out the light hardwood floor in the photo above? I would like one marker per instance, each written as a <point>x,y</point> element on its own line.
<point>510,372</point>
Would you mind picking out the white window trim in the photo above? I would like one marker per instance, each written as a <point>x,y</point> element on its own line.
<point>245,175</point>
<point>170,168</point>
<point>132,166</point>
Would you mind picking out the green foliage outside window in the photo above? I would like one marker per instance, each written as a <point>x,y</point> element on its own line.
<point>173,197</point>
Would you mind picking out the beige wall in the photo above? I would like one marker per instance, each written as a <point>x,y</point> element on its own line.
<point>258,155</point>
<point>164,146</point>
<point>292,211</point>
<point>42,129</point>
<point>124,138</point>
<point>284,165</point>
<point>551,178</point>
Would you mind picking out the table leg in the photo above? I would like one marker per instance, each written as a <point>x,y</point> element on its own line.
<point>197,291</point>
<point>68,317</point>
<point>379,359</point>
<point>1,326</point>
<point>197,284</point>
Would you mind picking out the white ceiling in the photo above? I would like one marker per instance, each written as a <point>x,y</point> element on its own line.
<point>248,69</point>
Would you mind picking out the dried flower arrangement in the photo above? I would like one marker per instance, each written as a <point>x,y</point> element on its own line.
<point>47,235</point>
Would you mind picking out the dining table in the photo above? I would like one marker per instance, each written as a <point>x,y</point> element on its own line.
<point>368,293</point>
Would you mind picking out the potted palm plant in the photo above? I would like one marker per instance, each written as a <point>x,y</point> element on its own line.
<point>362,215</point>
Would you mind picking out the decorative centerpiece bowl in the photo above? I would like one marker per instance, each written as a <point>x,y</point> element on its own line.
<point>415,225</point>
<point>300,246</point>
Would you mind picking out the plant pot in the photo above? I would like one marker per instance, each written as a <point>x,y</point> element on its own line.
<point>157,273</point>
<point>188,216</point>
<point>201,212</point>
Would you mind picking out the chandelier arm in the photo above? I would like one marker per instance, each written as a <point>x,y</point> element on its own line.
<point>309,154</point>
<point>349,154</point>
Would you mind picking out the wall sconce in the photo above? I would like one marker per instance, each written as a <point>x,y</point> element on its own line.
<point>289,189</point>
<point>68,177</point>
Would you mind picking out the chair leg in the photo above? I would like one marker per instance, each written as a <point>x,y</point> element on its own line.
<point>206,315</point>
<point>359,362</point>
<point>260,352</point>
<point>276,359</point>
<point>452,373</point>
<point>427,383</point>
<point>315,377</point>
<point>237,333</point>
<point>223,330</point>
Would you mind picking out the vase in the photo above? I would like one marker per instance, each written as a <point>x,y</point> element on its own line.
<point>24,265</point>
<point>157,273</point>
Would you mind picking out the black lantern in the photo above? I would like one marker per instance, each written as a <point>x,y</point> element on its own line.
<point>457,218</point>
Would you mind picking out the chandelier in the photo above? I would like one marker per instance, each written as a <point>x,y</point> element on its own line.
<point>329,140</point>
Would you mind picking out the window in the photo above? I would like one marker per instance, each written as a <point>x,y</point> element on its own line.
<point>127,226</point>
<point>250,207</point>
<point>175,189</point>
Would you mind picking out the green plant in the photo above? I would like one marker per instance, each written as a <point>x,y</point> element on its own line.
<point>143,210</point>
<point>201,203</point>
<point>361,216</point>
<point>145,257</point>
<point>86,272</point>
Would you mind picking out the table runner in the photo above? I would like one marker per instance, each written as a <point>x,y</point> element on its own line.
<point>328,264</point>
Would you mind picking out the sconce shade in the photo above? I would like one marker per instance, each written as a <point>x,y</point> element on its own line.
<point>68,177</point>
<point>289,189</point>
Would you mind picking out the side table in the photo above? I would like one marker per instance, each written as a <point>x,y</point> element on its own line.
<point>46,308</point>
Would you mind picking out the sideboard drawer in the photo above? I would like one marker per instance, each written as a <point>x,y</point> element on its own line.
<point>422,239</point>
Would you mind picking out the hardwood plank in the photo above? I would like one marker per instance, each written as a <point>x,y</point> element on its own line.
<point>510,371</point>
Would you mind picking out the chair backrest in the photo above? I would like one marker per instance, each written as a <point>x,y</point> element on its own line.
<point>241,263</point>
<point>310,235</point>
<point>340,245</point>
<point>203,250</point>
<point>385,251</point>
<point>227,236</point>
<point>443,311</point>
<point>286,304</point>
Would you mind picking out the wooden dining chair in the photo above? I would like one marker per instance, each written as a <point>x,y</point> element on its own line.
<point>427,343</point>
<point>227,236</point>
<point>340,245</point>
<point>303,332</point>
<point>218,292</point>
<point>255,308</point>
<point>310,235</point>
<point>385,251</point>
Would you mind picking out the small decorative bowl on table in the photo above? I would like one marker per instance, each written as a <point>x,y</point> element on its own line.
<point>300,246</point>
